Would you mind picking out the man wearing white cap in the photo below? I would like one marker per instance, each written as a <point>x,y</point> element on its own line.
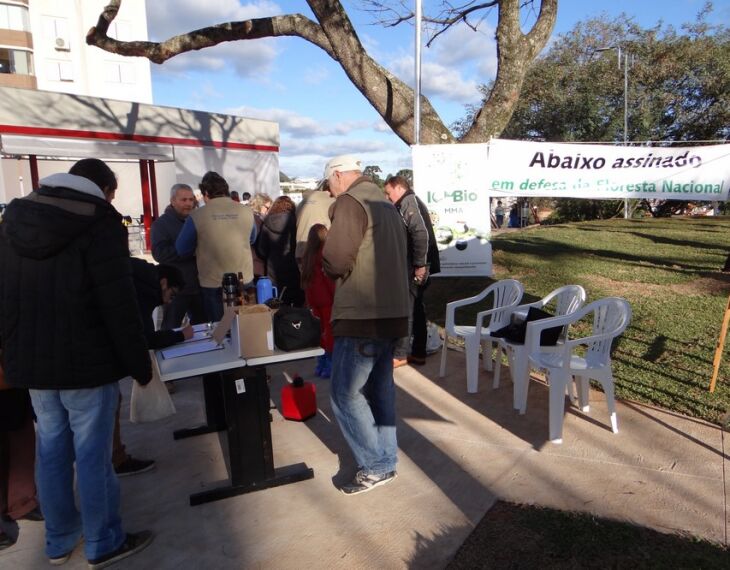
<point>366,253</point>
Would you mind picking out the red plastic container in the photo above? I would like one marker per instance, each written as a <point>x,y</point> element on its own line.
<point>299,400</point>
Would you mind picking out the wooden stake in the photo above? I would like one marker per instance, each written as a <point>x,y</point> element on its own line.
<point>720,346</point>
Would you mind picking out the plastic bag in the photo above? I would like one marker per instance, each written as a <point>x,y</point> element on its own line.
<point>433,339</point>
<point>151,402</point>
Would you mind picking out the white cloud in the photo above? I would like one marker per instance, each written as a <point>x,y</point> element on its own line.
<point>248,58</point>
<point>166,18</point>
<point>461,45</point>
<point>382,127</point>
<point>438,80</point>
<point>327,148</point>
<point>458,61</point>
<point>299,126</point>
<point>315,75</point>
<point>302,159</point>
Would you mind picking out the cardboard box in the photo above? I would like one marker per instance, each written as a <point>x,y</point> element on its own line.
<point>251,329</point>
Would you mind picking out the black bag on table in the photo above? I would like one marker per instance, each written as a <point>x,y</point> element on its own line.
<point>296,329</point>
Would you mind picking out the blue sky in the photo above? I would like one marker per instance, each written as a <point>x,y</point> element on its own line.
<point>320,114</point>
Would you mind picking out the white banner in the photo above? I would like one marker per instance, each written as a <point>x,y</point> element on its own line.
<point>456,182</point>
<point>450,181</point>
<point>559,170</point>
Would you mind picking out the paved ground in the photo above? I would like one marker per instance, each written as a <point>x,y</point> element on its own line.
<point>459,452</point>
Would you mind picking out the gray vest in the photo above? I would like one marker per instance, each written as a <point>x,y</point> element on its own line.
<point>224,240</point>
<point>377,287</point>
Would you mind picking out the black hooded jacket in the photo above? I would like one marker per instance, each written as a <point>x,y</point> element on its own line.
<point>68,312</point>
<point>276,245</point>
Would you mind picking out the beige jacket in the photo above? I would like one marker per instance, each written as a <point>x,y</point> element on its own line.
<point>313,209</point>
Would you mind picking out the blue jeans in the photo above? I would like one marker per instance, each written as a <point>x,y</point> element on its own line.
<point>212,303</point>
<point>78,424</point>
<point>363,400</point>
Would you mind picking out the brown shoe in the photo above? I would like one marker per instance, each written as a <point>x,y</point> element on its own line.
<point>398,362</point>
<point>419,360</point>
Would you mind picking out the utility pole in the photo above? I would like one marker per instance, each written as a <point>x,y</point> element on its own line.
<point>417,86</point>
<point>626,102</point>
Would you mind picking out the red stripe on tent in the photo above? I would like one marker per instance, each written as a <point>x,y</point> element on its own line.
<point>72,133</point>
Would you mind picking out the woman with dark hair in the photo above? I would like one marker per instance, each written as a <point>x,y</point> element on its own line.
<point>320,294</point>
<point>276,245</point>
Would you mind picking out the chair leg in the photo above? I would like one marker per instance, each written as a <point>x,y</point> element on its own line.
<point>610,402</point>
<point>571,390</point>
<point>584,390</point>
<point>471,343</point>
<point>497,367</point>
<point>442,370</point>
<point>487,349</point>
<point>521,380</point>
<point>558,381</point>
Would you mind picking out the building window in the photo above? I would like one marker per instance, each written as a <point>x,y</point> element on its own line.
<point>59,70</point>
<point>56,30</point>
<point>120,30</point>
<point>16,61</point>
<point>119,72</point>
<point>14,18</point>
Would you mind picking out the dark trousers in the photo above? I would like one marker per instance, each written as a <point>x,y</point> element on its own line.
<point>420,334</point>
<point>18,494</point>
<point>182,304</point>
<point>213,303</point>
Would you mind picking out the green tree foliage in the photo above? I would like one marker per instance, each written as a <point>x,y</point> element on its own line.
<point>374,171</point>
<point>406,173</point>
<point>678,90</point>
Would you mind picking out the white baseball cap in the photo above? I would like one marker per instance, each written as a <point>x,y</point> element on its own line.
<point>341,163</point>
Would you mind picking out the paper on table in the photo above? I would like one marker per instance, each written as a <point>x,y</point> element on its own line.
<point>198,328</point>
<point>202,335</point>
<point>191,348</point>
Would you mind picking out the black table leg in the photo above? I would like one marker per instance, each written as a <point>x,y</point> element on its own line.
<point>215,414</point>
<point>246,400</point>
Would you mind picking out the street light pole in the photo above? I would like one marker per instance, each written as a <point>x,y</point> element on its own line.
<point>417,73</point>
<point>626,104</point>
<point>626,116</point>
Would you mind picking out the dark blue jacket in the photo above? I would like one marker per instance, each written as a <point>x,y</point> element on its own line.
<point>165,230</point>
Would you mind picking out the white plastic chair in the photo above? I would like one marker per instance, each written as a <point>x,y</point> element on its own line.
<point>611,316</point>
<point>505,294</point>
<point>567,300</point>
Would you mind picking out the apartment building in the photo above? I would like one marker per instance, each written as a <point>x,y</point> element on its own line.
<point>42,46</point>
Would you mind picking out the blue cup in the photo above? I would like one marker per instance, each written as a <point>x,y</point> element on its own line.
<point>265,290</point>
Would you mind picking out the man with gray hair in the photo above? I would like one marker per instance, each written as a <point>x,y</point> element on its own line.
<point>165,230</point>
<point>366,253</point>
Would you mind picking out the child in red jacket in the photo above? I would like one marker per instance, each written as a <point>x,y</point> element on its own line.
<point>320,294</point>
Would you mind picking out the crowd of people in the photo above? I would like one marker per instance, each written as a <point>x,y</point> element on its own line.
<point>76,318</point>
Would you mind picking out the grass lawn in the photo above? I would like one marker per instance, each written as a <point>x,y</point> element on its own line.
<point>668,269</point>
<point>530,537</point>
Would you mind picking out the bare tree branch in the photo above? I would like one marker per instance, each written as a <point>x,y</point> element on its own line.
<point>334,33</point>
<point>159,52</point>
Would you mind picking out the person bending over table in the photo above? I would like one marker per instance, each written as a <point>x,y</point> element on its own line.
<point>155,285</point>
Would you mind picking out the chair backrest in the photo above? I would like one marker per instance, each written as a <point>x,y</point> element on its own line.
<point>568,299</point>
<point>506,294</point>
<point>611,316</point>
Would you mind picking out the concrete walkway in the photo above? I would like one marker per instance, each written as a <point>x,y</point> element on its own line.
<point>459,453</point>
